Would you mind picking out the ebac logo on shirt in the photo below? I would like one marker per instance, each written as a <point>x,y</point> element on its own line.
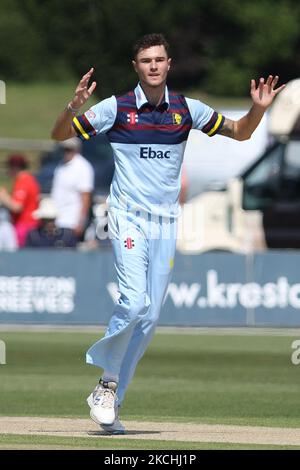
<point>148,152</point>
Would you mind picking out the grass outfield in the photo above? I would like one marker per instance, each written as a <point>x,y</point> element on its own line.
<point>31,109</point>
<point>246,380</point>
<point>60,443</point>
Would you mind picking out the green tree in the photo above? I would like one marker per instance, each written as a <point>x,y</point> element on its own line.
<point>216,46</point>
<point>20,44</point>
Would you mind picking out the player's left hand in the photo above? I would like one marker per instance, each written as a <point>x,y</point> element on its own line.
<point>264,94</point>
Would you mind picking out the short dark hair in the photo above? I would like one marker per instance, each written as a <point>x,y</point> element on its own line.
<point>150,40</point>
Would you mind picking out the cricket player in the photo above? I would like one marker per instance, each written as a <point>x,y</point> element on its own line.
<point>148,128</point>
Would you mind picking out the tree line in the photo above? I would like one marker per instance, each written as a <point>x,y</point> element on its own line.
<point>215,46</point>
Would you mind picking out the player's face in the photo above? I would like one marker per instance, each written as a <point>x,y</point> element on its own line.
<point>152,66</point>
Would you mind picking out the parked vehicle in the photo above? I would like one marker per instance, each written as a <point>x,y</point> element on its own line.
<point>260,208</point>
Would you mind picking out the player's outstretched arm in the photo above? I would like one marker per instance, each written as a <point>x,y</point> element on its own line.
<point>262,97</point>
<point>63,128</point>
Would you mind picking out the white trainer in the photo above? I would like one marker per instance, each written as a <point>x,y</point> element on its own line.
<point>115,428</point>
<point>102,403</point>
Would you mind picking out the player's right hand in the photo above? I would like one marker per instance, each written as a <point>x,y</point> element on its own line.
<point>82,92</point>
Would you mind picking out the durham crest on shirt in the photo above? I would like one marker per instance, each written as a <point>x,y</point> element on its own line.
<point>177,118</point>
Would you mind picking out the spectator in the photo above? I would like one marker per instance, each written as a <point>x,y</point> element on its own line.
<point>24,199</point>
<point>8,238</point>
<point>48,235</point>
<point>72,187</point>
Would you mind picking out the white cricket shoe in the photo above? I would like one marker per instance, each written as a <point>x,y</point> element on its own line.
<point>115,428</point>
<point>102,403</point>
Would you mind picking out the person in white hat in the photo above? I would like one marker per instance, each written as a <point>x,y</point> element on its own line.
<point>72,188</point>
<point>48,235</point>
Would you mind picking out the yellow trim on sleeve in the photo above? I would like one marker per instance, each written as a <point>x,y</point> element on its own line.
<point>218,122</point>
<point>80,128</point>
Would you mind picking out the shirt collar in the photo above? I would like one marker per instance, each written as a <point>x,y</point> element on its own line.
<point>141,99</point>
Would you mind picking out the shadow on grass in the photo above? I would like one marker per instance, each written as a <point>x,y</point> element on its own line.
<point>132,432</point>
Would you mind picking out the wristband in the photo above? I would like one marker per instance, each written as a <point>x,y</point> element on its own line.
<point>71,109</point>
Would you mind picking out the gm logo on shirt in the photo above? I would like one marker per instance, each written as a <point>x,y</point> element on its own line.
<point>148,152</point>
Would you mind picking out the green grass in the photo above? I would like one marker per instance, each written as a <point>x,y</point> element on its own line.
<point>11,441</point>
<point>185,378</point>
<point>228,379</point>
<point>31,109</point>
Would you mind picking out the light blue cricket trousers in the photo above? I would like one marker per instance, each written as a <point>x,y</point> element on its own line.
<point>143,256</point>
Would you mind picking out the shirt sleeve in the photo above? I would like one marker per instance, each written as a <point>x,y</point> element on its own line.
<point>97,120</point>
<point>204,117</point>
